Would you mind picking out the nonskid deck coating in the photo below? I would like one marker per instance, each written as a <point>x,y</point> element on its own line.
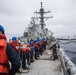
<point>44,67</point>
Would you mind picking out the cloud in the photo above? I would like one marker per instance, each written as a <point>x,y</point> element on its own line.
<point>15,15</point>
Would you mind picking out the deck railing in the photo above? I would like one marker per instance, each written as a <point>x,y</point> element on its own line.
<point>68,66</point>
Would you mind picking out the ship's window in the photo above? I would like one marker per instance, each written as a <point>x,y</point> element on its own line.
<point>25,34</point>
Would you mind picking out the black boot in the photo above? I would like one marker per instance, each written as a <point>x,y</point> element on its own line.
<point>25,68</point>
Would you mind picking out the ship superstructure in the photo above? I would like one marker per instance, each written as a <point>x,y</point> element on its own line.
<point>37,30</point>
<point>62,66</point>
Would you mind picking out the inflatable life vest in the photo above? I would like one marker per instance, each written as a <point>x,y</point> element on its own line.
<point>44,41</point>
<point>4,64</point>
<point>40,43</point>
<point>36,46</point>
<point>16,46</point>
<point>28,45</point>
<point>26,48</point>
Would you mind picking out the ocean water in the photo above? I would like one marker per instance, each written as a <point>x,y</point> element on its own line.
<point>70,49</point>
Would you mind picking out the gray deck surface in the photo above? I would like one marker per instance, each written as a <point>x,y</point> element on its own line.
<point>44,66</point>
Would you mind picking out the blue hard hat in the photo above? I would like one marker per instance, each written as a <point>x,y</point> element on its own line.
<point>35,41</point>
<point>41,40</point>
<point>14,38</point>
<point>2,29</point>
<point>30,43</point>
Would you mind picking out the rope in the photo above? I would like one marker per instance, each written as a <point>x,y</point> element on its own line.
<point>69,41</point>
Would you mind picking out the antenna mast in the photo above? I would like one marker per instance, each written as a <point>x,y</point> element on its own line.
<point>42,18</point>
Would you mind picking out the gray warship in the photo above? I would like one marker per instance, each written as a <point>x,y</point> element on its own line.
<point>45,65</point>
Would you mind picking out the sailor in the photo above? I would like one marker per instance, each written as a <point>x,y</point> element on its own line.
<point>7,54</point>
<point>44,43</point>
<point>26,56</point>
<point>15,44</point>
<point>40,44</point>
<point>36,49</point>
<point>55,53</point>
<point>32,51</point>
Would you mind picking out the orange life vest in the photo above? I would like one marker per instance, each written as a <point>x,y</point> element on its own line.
<point>40,43</point>
<point>4,64</point>
<point>44,41</point>
<point>16,46</point>
<point>24,50</point>
<point>29,49</point>
<point>28,46</point>
<point>36,46</point>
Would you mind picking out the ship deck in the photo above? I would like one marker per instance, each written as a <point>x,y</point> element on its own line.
<point>44,66</point>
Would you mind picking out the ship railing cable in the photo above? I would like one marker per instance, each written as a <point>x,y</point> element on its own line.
<point>69,41</point>
<point>73,41</point>
<point>64,42</point>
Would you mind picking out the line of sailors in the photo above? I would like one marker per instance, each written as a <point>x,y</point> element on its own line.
<point>29,51</point>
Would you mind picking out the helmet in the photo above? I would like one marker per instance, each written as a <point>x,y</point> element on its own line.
<point>14,38</point>
<point>2,29</point>
<point>35,41</point>
<point>30,43</point>
<point>41,40</point>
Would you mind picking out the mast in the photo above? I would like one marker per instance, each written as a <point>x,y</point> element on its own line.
<point>42,18</point>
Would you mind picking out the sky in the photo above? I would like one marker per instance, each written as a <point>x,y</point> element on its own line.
<point>15,15</point>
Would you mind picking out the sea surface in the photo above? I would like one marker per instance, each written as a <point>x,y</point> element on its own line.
<point>70,49</point>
